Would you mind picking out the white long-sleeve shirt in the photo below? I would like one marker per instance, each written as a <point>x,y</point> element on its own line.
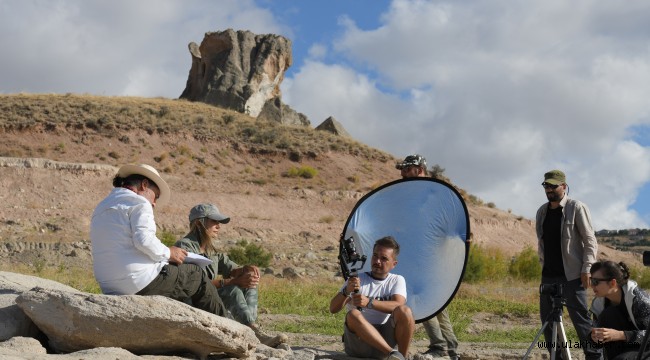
<point>127,255</point>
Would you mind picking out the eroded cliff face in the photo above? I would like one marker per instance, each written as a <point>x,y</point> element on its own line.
<point>238,70</point>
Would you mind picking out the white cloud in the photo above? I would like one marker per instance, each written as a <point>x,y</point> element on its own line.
<point>495,92</point>
<point>317,51</point>
<point>350,97</point>
<point>103,47</point>
<point>499,93</point>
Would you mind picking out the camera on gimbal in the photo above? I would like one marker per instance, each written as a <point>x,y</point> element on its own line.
<point>349,256</point>
<point>554,290</point>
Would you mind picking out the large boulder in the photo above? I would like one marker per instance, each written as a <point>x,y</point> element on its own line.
<point>13,320</point>
<point>139,324</point>
<point>237,70</point>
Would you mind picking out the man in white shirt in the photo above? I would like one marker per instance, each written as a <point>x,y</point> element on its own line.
<point>129,259</point>
<point>378,317</point>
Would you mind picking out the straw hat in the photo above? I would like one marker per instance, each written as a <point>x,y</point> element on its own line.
<point>151,174</point>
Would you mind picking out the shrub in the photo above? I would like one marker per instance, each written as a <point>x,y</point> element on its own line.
<point>227,118</point>
<point>164,110</point>
<point>248,253</point>
<point>526,265</point>
<point>167,237</point>
<point>327,219</point>
<point>641,276</point>
<point>484,264</point>
<point>160,158</point>
<point>306,172</point>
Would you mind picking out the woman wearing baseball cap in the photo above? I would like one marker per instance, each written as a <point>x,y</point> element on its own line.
<point>237,285</point>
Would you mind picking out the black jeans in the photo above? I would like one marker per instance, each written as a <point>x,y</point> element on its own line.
<point>184,281</point>
<point>576,304</point>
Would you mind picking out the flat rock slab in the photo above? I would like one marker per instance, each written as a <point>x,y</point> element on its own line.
<point>13,321</point>
<point>138,324</point>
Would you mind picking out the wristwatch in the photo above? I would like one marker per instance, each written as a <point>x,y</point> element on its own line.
<point>345,293</point>
<point>369,306</point>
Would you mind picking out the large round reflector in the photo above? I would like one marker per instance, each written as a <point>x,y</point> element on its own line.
<point>429,220</point>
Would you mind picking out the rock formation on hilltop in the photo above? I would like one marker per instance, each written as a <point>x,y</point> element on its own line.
<point>241,71</point>
<point>330,124</point>
<point>275,110</point>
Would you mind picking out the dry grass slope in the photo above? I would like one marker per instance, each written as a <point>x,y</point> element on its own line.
<point>206,154</point>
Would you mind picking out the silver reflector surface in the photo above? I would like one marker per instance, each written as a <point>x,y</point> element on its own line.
<point>429,220</point>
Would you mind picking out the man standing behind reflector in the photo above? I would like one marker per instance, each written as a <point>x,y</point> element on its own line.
<point>442,340</point>
<point>567,248</point>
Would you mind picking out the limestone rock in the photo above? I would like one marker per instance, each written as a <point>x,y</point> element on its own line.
<point>13,319</point>
<point>139,324</point>
<point>275,110</point>
<point>291,273</point>
<point>330,124</point>
<point>21,348</point>
<point>21,345</point>
<point>237,70</point>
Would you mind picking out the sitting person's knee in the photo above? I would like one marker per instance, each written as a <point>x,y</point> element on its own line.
<point>403,312</point>
<point>353,315</point>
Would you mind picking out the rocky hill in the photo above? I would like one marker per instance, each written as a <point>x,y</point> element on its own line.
<point>59,153</point>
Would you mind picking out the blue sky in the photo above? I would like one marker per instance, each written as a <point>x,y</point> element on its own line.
<point>496,92</point>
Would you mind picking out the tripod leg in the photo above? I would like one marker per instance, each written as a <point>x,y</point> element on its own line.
<point>554,341</point>
<point>532,345</point>
<point>565,343</point>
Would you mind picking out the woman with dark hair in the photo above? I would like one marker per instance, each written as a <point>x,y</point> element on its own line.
<point>621,310</point>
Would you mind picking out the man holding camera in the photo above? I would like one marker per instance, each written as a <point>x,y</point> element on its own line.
<point>567,248</point>
<point>378,317</point>
<point>442,340</point>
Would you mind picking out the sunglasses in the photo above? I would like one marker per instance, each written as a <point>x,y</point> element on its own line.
<point>596,281</point>
<point>549,186</point>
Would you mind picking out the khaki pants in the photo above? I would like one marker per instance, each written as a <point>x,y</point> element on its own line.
<point>441,333</point>
<point>356,347</point>
<point>184,281</point>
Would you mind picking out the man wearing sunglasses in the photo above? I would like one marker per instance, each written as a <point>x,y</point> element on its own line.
<point>567,248</point>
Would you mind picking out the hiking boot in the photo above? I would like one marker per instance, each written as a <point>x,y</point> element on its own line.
<point>436,353</point>
<point>395,355</point>
<point>269,340</point>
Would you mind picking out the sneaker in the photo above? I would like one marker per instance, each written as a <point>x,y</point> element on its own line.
<point>269,340</point>
<point>395,355</point>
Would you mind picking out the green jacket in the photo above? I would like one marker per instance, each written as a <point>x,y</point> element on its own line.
<point>221,263</point>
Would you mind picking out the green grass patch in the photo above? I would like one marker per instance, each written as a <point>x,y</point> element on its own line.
<point>306,298</point>
<point>497,307</point>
